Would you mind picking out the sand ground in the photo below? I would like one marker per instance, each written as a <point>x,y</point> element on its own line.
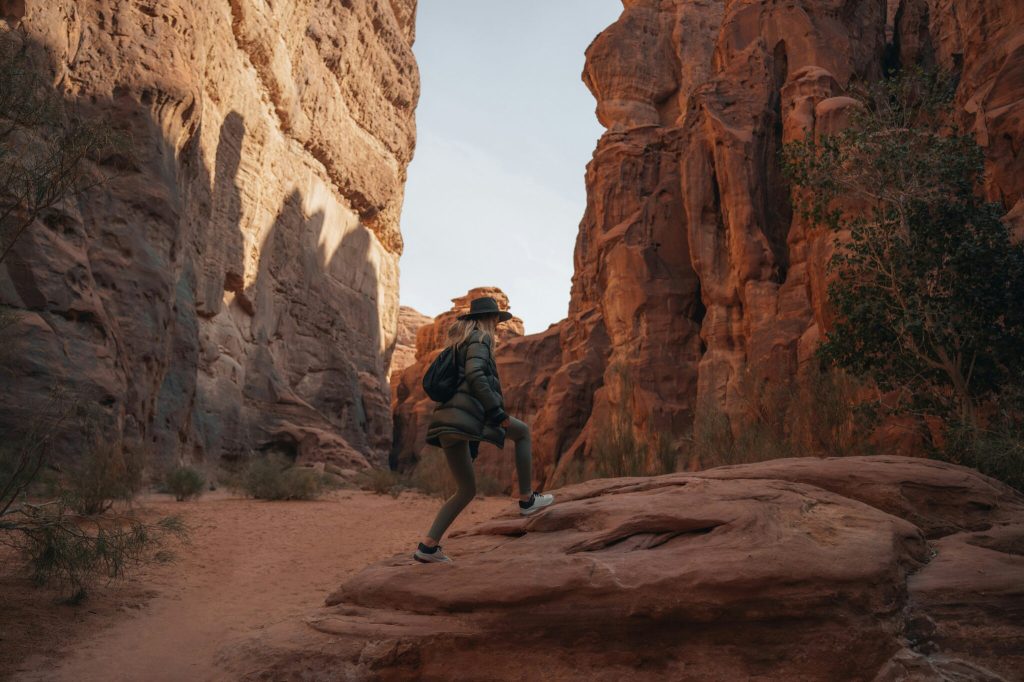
<point>249,564</point>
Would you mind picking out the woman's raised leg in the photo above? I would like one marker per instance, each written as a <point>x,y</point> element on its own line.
<point>456,451</point>
<point>519,432</point>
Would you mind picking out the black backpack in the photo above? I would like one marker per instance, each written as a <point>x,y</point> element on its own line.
<point>443,376</point>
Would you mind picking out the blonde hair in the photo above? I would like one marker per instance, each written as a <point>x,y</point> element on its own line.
<point>461,329</point>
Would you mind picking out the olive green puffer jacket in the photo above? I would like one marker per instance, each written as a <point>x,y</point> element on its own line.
<point>476,410</point>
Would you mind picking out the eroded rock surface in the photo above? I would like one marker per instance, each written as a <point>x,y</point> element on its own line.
<point>409,322</point>
<point>792,569</point>
<point>235,287</point>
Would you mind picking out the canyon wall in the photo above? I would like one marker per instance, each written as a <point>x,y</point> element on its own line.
<point>234,288</point>
<point>693,279</point>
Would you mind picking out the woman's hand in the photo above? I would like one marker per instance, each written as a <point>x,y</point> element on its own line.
<point>505,423</point>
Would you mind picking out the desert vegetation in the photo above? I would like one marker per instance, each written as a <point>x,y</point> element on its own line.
<point>927,279</point>
<point>61,520</point>
<point>925,286</point>
<point>184,482</point>
<point>813,415</point>
<point>816,414</point>
<point>275,477</point>
<point>61,517</point>
<point>618,452</point>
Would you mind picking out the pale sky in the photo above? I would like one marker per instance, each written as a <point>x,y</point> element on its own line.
<point>505,128</point>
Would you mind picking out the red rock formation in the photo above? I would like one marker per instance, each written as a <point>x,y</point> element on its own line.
<point>793,569</point>
<point>409,321</point>
<point>692,275</point>
<point>235,288</point>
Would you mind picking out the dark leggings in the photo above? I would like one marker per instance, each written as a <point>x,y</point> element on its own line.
<point>456,452</point>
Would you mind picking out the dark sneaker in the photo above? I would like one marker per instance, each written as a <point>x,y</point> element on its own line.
<point>536,502</point>
<point>430,555</point>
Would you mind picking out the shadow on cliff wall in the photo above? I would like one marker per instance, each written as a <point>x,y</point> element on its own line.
<point>93,282</point>
<point>222,253</point>
<point>112,285</point>
<point>314,312</point>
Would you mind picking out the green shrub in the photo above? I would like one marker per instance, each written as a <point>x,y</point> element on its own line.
<point>275,477</point>
<point>927,282</point>
<point>184,483</point>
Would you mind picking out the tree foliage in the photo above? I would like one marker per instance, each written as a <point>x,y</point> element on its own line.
<point>928,287</point>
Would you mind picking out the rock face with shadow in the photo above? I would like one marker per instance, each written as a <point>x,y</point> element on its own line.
<point>866,568</point>
<point>234,288</point>
<point>692,274</point>
<point>409,322</point>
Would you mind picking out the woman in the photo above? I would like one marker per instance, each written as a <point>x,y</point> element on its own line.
<point>475,413</point>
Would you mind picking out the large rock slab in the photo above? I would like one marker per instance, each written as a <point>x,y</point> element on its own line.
<point>737,573</point>
<point>234,287</point>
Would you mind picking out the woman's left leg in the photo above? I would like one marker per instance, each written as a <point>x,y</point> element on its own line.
<point>519,432</point>
<point>457,453</point>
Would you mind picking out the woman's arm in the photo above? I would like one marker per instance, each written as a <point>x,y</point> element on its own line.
<point>478,356</point>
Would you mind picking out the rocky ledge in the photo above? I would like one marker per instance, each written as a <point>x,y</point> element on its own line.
<point>873,568</point>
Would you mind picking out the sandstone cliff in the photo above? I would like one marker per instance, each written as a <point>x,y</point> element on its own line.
<point>235,288</point>
<point>409,322</point>
<point>692,275</point>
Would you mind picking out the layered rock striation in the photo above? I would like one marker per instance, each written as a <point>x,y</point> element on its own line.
<point>409,321</point>
<point>693,277</point>
<point>234,288</point>
<point>877,568</point>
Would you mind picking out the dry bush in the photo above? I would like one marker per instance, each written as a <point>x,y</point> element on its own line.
<point>275,477</point>
<point>72,550</point>
<point>995,445</point>
<point>432,475</point>
<point>490,486</point>
<point>46,524</point>
<point>105,473</point>
<point>616,449</point>
<point>816,415</point>
<point>380,481</point>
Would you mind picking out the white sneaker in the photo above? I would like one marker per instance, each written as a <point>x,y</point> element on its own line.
<point>437,556</point>
<point>537,502</point>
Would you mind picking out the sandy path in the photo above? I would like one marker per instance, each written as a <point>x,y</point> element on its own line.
<point>249,565</point>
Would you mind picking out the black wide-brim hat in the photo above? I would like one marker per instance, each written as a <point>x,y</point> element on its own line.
<point>485,305</point>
